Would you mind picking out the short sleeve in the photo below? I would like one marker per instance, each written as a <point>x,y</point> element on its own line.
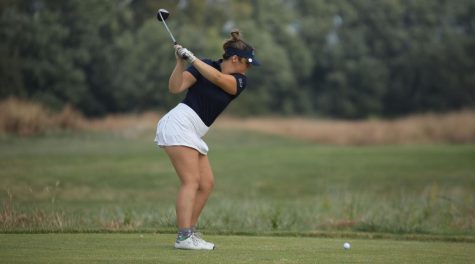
<point>191,69</point>
<point>241,82</point>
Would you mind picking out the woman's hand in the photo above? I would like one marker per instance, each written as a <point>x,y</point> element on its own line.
<point>185,54</point>
<point>177,56</point>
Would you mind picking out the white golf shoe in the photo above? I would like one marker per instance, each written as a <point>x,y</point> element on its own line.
<point>194,243</point>
<point>199,237</point>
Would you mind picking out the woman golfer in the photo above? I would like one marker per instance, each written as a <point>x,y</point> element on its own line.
<point>211,86</point>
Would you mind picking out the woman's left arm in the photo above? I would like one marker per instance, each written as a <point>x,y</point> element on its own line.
<point>226,82</point>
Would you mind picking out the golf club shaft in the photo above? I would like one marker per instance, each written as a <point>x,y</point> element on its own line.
<point>169,32</point>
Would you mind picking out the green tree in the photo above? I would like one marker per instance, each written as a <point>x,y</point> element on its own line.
<point>345,58</point>
<point>42,67</point>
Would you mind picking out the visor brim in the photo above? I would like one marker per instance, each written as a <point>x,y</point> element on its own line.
<point>253,61</point>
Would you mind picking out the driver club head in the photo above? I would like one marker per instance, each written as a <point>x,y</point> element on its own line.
<point>162,14</point>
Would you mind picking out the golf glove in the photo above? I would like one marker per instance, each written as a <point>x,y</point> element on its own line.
<point>186,54</point>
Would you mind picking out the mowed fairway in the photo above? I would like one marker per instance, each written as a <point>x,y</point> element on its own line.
<point>157,248</point>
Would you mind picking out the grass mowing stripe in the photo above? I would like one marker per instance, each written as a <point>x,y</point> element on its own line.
<point>158,248</point>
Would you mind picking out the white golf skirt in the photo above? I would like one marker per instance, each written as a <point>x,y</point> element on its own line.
<point>182,127</point>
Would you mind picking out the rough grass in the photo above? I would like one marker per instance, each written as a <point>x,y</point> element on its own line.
<point>157,248</point>
<point>111,177</point>
<point>264,185</point>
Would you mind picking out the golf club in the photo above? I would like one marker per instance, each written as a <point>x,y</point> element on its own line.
<point>162,15</point>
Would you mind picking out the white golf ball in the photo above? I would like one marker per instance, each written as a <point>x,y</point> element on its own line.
<point>346,245</point>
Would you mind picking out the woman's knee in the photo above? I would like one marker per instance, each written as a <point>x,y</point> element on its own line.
<point>207,184</point>
<point>192,183</point>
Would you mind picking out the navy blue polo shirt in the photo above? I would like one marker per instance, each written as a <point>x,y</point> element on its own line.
<point>206,98</point>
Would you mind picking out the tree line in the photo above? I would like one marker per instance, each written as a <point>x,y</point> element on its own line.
<point>341,58</point>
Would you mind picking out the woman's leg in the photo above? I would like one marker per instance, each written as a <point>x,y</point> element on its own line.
<point>187,166</point>
<point>206,184</point>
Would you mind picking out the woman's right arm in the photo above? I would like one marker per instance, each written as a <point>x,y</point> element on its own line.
<point>180,79</point>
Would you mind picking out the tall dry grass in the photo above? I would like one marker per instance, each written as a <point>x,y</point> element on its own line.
<point>27,118</point>
<point>455,128</point>
<point>127,125</point>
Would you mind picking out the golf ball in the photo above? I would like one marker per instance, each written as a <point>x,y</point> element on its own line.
<point>346,245</point>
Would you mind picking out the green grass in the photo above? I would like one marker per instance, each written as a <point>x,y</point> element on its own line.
<point>264,185</point>
<point>157,248</point>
